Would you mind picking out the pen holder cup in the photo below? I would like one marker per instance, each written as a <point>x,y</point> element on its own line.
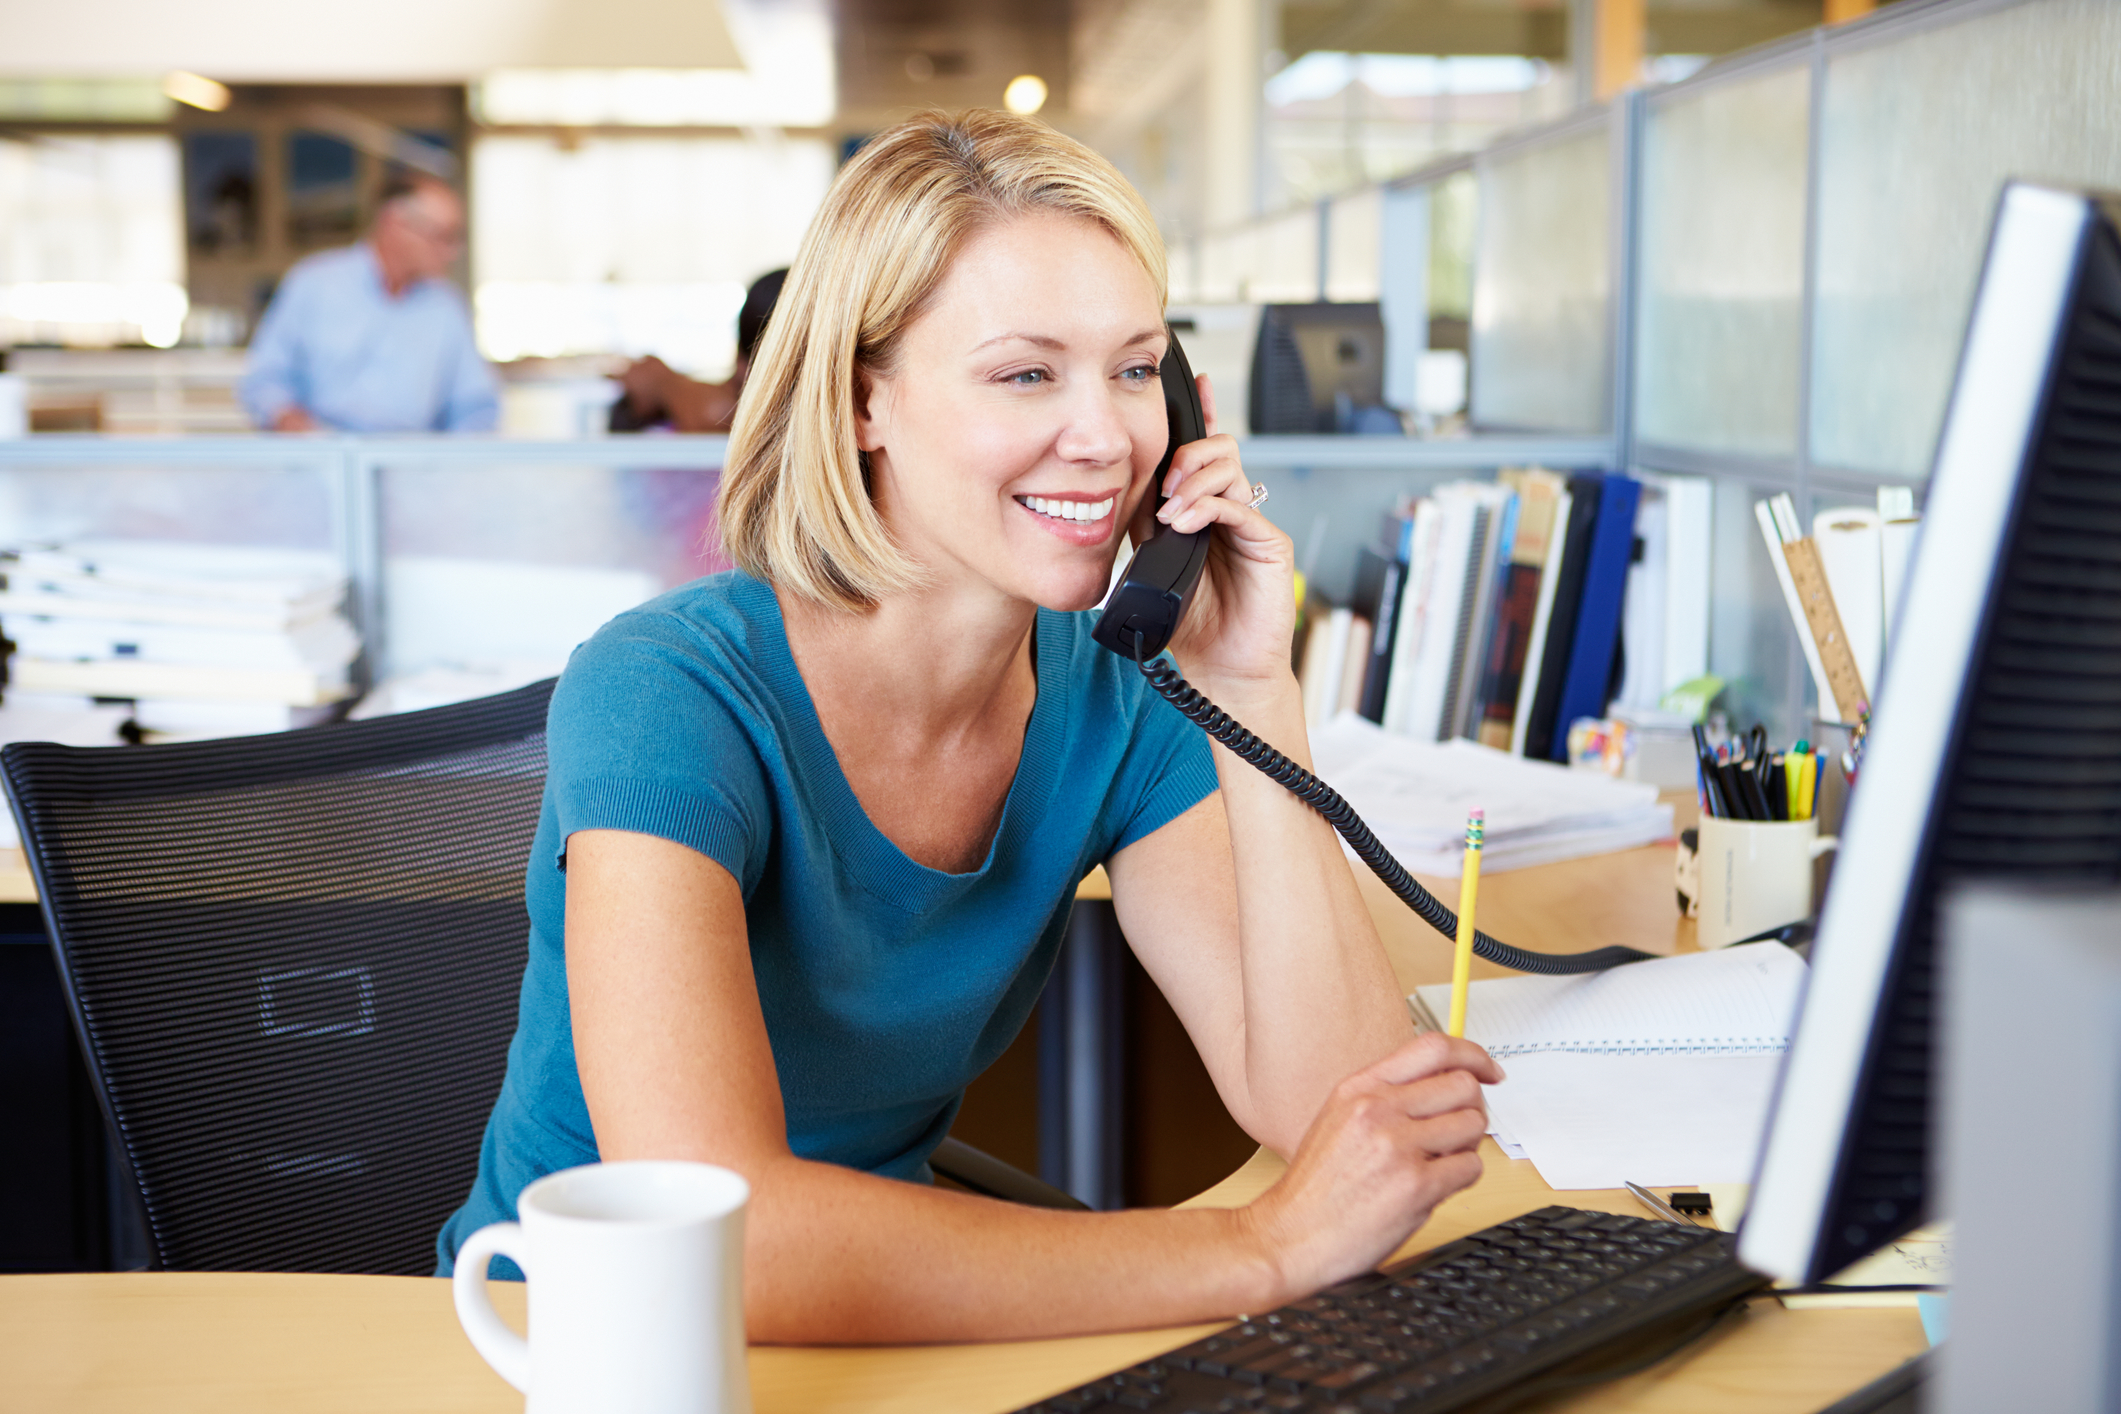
<point>1750,876</point>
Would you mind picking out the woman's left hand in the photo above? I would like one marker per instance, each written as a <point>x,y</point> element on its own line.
<point>1242,618</point>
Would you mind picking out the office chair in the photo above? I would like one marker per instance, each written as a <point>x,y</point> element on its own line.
<point>293,962</point>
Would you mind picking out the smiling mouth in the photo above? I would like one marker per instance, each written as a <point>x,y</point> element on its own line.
<point>1083,512</point>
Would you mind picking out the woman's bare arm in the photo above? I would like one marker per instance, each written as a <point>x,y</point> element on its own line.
<point>674,1061</point>
<point>1245,914</point>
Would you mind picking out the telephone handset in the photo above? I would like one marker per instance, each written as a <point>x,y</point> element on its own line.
<point>1150,598</point>
<point>1143,610</point>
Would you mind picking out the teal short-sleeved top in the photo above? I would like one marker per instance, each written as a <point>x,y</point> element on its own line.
<point>886,985</point>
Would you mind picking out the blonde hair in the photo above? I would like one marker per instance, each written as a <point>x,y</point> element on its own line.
<point>794,506</point>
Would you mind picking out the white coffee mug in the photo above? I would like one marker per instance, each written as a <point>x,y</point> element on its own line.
<point>1755,875</point>
<point>636,1274</point>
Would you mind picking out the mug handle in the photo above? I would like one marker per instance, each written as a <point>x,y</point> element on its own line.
<point>502,1348</point>
<point>1824,843</point>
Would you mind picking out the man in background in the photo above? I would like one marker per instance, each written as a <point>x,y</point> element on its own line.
<point>372,337</point>
<point>658,395</point>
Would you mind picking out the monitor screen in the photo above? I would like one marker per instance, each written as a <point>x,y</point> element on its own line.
<point>1995,749</point>
<point>1320,368</point>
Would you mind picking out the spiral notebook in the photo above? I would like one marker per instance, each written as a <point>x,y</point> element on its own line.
<point>1659,1072</point>
<point>1735,1001</point>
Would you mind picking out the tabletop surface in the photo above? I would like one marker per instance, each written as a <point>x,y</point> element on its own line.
<point>293,1344</point>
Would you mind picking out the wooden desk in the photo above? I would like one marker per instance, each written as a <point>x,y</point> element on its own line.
<point>16,886</point>
<point>234,1343</point>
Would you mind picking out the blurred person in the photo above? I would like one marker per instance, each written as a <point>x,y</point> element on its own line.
<point>373,337</point>
<point>657,394</point>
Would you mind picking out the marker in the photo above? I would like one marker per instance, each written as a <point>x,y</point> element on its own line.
<point>1468,891</point>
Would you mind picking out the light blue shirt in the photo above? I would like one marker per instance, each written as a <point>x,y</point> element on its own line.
<point>338,345</point>
<point>886,985</point>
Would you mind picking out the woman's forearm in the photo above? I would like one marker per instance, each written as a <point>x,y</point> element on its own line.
<point>1320,999</point>
<point>836,1256</point>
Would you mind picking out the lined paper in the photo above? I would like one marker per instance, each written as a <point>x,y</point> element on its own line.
<point>1734,1001</point>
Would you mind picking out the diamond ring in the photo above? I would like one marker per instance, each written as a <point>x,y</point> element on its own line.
<point>1259,496</point>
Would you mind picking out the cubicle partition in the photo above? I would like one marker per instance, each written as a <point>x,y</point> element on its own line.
<point>459,551</point>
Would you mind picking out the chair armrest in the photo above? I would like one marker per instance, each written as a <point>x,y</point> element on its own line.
<point>988,1176</point>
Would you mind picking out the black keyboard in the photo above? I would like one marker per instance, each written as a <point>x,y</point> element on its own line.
<point>1556,1293</point>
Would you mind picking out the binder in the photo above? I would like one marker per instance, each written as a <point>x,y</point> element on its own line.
<point>1584,692</point>
<point>1585,491</point>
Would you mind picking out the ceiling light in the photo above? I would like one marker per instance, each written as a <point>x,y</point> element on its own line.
<point>1026,93</point>
<point>196,90</point>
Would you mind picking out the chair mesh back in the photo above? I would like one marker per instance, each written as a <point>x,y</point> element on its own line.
<point>294,962</point>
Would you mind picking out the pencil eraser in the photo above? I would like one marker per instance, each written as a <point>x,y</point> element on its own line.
<point>1694,1205</point>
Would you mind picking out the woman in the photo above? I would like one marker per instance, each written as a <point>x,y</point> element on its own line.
<point>812,828</point>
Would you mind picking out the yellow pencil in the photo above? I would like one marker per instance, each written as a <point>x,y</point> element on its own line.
<point>1468,891</point>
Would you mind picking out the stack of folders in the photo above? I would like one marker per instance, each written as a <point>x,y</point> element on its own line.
<point>1415,796</point>
<point>1657,1072</point>
<point>205,640</point>
<point>1842,584</point>
<point>1490,611</point>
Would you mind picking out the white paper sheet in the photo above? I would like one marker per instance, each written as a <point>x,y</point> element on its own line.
<point>1598,1121</point>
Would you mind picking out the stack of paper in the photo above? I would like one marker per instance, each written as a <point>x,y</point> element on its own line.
<point>1415,795</point>
<point>205,639</point>
<point>1658,1072</point>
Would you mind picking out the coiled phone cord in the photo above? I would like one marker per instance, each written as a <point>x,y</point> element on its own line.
<point>1174,689</point>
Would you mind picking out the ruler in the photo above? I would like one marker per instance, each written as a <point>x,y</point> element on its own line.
<point>1808,573</point>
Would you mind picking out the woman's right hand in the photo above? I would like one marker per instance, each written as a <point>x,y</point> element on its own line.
<point>1395,1139</point>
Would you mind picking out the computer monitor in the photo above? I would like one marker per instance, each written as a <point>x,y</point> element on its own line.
<point>1996,743</point>
<point>1320,368</point>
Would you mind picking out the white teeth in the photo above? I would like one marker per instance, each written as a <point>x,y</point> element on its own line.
<point>1081,511</point>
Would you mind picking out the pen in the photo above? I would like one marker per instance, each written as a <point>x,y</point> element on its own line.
<point>1705,766</point>
<point>1468,891</point>
<point>1657,1205</point>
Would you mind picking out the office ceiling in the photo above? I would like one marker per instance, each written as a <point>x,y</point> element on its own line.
<point>1099,57</point>
<point>897,55</point>
<point>376,41</point>
<point>1535,27</point>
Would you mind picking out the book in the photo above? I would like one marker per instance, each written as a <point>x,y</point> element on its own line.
<point>1560,638</point>
<point>297,687</point>
<point>1517,600</point>
<point>1466,626</point>
<point>322,644</point>
<point>1421,707</point>
<point>1587,689</point>
<point>80,599</point>
<point>1379,580</point>
<point>1325,664</point>
<point>1420,544</point>
<point>154,569</point>
<point>1542,620</point>
<point>1358,663</point>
